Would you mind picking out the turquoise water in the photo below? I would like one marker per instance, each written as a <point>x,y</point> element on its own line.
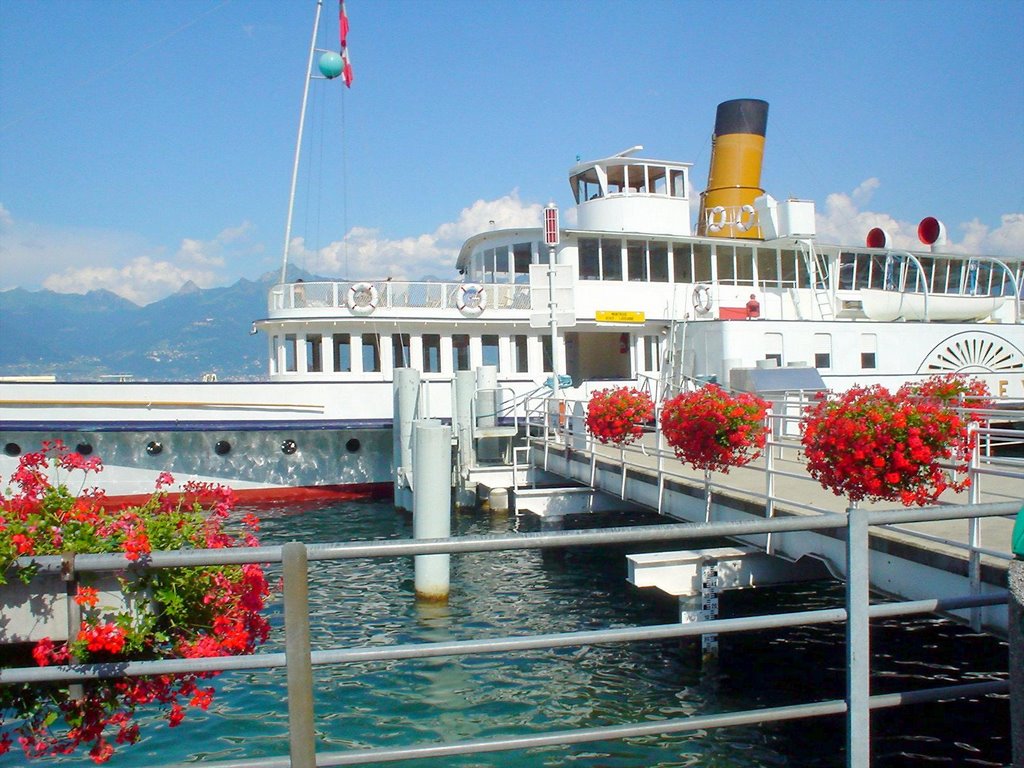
<point>395,703</point>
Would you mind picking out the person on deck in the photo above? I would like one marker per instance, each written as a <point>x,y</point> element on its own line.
<point>753,307</point>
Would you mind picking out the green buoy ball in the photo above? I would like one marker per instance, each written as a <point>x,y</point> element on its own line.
<point>330,65</point>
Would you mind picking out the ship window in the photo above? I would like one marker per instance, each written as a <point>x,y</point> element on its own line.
<point>822,350</point>
<point>744,265</point>
<point>635,178</point>
<point>701,263</point>
<point>678,179</point>
<point>652,353</point>
<point>545,349</point>
<point>501,264</point>
<point>682,264</point>
<point>400,345</point>
<point>658,181</point>
<point>767,266</point>
<point>773,347</point>
<point>431,353</point>
<point>590,266</point>
<point>788,274</point>
<point>522,254</point>
<point>868,351</point>
<point>611,259</point>
<point>371,352</point>
<point>314,352</point>
<point>460,351</point>
<point>726,265</point>
<point>490,349</point>
<point>636,260</point>
<point>488,270</point>
<point>585,186</point>
<point>520,351</point>
<point>342,344</point>
<point>659,262</point>
<point>616,179</point>
<point>290,342</point>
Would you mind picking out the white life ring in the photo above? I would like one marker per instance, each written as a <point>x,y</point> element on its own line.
<point>716,219</point>
<point>747,219</point>
<point>702,298</point>
<point>471,299</point>
<point>362,298</point>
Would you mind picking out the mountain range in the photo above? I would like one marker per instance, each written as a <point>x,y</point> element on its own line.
<point>83,337</point>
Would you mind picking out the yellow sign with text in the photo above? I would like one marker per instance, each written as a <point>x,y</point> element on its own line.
<point>617,316</point>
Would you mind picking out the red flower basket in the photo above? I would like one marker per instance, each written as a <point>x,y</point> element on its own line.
<point>953,390</point>
<point>868,443</point>
<point>618,415</point>
<point>714,430</point>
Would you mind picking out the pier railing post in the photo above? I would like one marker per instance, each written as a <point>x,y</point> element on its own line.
<point>858,641</point>
<point>406,407</point>
<point>302,741</point>
<point>1015,624</point>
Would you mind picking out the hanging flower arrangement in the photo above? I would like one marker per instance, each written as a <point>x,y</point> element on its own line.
<point>713,430</point>
<point>618,415</point>
<point>167,613</point>
<point>951,389</point>
<point>868,443</point>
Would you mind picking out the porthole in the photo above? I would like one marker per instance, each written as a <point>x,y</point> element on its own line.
<point>12,449</point>
<point>288,447</point>
<point>353,445</point>
<point>222,448</point>
<point>83,449</point>
<point>154,448</point>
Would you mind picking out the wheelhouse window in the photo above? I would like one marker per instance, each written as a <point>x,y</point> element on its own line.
<point>371,352</point>
<point>460,352</point>
<point>586,185</point>
<point>342,346</point>
<point>290,352</point>
<point>431,353</point>
<point>678,181</point>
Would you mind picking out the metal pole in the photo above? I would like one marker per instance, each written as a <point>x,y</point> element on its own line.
<point>431,504</point>
<point>1016,635</point>
<point>858,642</point>
<point>465,391</point>
<point>298,143</point>
<point>301,737</point>
<point>406,409</point>
<point>553,321</point>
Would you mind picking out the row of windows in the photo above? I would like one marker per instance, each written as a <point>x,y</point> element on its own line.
<point>629,178</point>
<point>942,275</point>
<point>656,261</point>
<point>366,353</point>
<point>823,351</point>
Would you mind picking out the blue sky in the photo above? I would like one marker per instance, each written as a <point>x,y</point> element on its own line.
<point>146,143</point>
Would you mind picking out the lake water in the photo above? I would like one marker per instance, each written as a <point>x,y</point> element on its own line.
<point>389,704</point>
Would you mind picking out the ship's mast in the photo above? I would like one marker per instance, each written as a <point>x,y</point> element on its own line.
<point>298,142</point>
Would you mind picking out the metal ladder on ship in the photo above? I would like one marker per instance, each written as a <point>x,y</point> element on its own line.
<point>817,270</point>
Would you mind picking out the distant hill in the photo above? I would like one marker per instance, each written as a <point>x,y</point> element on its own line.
<point>82,337</point>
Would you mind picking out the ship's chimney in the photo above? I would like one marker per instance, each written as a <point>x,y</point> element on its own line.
<point>734,178</point>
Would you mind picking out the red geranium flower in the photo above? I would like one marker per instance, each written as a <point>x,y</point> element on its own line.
<point>713,430</point>
<point>618,415</point>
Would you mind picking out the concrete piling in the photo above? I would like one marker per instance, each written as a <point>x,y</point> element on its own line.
<point>406,410</point>
<point>432,503</point>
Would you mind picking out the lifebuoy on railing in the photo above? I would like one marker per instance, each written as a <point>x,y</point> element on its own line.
<point>747,218</point>
<point>702,298</point>
<point>471,299</point>
<point>362,298</point>
<point>716,219</point>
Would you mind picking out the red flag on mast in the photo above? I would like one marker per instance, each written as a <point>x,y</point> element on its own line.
<point>346,72</point>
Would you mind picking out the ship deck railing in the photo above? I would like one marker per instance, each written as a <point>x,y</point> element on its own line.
<point>397,294</point>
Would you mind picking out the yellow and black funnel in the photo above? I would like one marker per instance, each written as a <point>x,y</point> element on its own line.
<point>734,178</point>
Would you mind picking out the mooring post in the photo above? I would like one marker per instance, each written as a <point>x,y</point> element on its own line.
<point>406,410</point>
<point>432,504</point>
<point>1016,636</point>
<point>487,401</point>
<point>858,641</point>
<point>299,667</point>
<point>465,391</point>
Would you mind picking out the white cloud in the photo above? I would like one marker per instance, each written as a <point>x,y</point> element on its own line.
<point>842,221</point>
<point>364,253</point>
<point>82,260</point>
